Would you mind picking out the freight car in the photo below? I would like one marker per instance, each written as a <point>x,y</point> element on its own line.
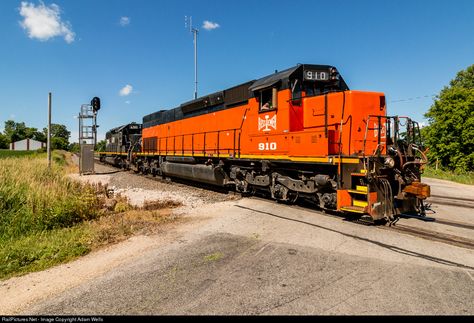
<point>300,133</point>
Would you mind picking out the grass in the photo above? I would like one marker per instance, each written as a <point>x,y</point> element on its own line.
<point>14,153</point>
<point>38,209</point>
<point>42,250</point>
<point>213,257</point>
<point>47,219</point>
<point>463,178</point>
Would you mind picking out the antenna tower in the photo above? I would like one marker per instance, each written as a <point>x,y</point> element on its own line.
<point>195,32</point>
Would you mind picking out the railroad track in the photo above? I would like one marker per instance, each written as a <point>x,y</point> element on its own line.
<point>421,233</point>
<point>452,201</point>
<point>405,229</point>
<point>455,224</point>
<point>427,234</point>
<point>432,235</point>
<point>413,231</point>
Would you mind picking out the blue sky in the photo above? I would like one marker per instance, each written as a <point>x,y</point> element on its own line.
<point>138,57</point>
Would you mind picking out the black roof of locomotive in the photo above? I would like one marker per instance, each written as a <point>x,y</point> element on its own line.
<point>233,96</point>
<point>284,77</point>
<point>120,128</point>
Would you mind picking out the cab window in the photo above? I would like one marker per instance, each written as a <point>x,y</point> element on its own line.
<point>266,100</point>
<point>312,89</point>
<point>296,90</point>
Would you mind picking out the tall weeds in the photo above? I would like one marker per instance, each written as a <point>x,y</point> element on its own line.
<point>39,210</point>
<point>34,198</point>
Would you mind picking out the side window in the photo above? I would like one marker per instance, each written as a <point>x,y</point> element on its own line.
<point>266,100</point>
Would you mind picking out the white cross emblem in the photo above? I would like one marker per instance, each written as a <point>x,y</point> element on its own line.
<point>267,122</point>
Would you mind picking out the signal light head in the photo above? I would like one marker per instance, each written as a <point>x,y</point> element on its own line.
<point>95,104</point>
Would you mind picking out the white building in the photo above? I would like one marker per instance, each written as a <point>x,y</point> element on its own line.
<point>27,144</point>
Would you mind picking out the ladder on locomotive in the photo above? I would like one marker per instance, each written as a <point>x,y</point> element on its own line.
<point>360,191</point>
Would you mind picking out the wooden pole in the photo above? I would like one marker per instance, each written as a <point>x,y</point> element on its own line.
<point>49,131</point>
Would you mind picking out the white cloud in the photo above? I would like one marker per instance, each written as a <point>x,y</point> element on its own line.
<point>126,90</point>
<point>209,25</point>
<point>124,21</point>
<point>44,22</point>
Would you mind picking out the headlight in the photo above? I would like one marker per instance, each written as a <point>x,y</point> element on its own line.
<point>389,162</point>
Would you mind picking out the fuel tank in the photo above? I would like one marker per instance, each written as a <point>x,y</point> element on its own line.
<point>200,173</point>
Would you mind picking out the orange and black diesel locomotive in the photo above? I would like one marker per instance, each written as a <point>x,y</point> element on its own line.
<point>295,134</point>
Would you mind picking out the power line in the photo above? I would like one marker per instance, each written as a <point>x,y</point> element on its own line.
<point>413,98</point>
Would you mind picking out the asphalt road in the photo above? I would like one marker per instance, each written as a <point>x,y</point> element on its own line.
<point>228,274</point>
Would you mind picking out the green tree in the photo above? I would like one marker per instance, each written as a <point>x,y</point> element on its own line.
<point>33,133</point>
<point>59,143</point>
<point>74,147</point>
<point>100,145</point>
<point>4,144</point>
<point>15,131</point>
<point>464,79</point>
<point>450,133</point>
<point>59,136</point>
<point>58,130</point>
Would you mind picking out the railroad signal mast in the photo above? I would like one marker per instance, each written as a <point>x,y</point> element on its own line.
<point>88,135</point>
<point>195,32</point>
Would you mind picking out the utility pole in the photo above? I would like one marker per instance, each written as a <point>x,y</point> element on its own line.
<point>195,32</point>
<point>48,144</point>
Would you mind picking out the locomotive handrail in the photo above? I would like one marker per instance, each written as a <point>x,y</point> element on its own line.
<point>340,135</point>
<point>396,129</point>
<point>192,136</point>
<point>205,133</point>
<point>365,136</point>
